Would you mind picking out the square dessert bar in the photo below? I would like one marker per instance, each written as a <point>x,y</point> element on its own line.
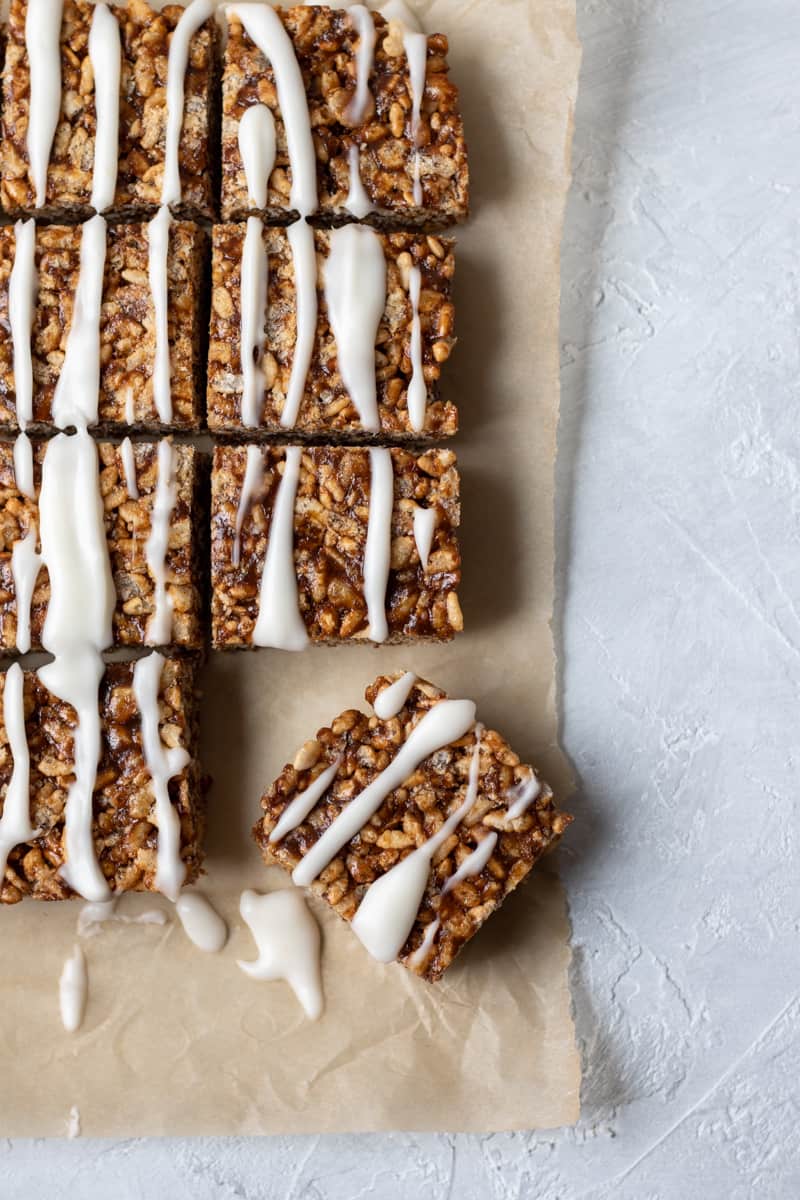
<point>383,128</point>
<point>127,812</point>
<point>131,112</point>
<point>250,380</point>
<point>134,392</point>
<point>414,823</point>
<point>331,544</point>
<point>158,583</point>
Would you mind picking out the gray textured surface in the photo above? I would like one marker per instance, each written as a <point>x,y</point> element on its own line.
<point>679,524</point>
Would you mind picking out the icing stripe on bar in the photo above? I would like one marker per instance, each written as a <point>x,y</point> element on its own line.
<point>416,48</point>
<point>378,549</point>
<point>304,262</point>
<point>196,14</point>
<point>257,151</point>
<point>22,288</point>
<point>158,232</point>
<point>417,388</point>
<point>159,628</point>
<point>253,478</point>
<point>389,702</point>
<point>279,623</point>
<point>254,284</point>
<point>446,722</point>
<point>43,47</point>
<point>424,529</point>
<point>105,52</point>
<point>355,293</point>
<point>15,823</point>
<point>77,392</point>
<point>296,812</point>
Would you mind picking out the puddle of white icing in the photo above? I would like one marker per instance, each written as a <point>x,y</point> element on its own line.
<point>389,702</point>
<point>72,990</point>
<point>201,923</point>
<point>288,942</point>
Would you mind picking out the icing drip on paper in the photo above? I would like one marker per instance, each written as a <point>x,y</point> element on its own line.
<point>417,388</point>
<point>105,53</point>
<point>304,262</point>
<point>158,242</point>
<point>257,151</point>
<point>387,913</point>
<point>255,279</point>
<point>43,47</point>
<point>295,813</point>
<point>26,561</point>
<point>378,549</point>
<point>358,202</point>
<point>201,923</point>
<point>424,529</point>
<point>21,307</point>
<point>73,988</point>
<point>288,942</point>
<point>355,293</point>
<point>389,702</point>
<point>253,479</point>
<point>15,823</point>
<point>129,468</point>
<point>164,764</point>
<point>195,15</point>
<point>159,628</point>
<point>76,629</point>
<point>73,1123</point>
<point>265,28</point>
<point>279,623</point>
<point>446,722</point>
<point>77,391</point>
<point>416,48</point>
<point>93,917</point>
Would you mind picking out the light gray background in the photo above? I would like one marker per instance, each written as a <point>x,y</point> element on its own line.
<point>679,631</point>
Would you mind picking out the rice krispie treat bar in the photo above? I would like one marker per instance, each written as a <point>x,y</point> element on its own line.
<point>414,823</point>
<point>152,506</point>
<point>115,314</point>
<point>132,124</point>
<point>265,374</point>
<point>333,544</point>
<point>144,827</point>
<point>360,116</point>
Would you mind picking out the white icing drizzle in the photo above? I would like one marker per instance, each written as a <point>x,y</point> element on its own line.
<point>73,1123</point>
<point>446,722</point>
<point>416,48</point>
<point>15,823</point>
<point>358,202</point>
<point>201,923</point>
<point>417,388</point>
<point>279,623</point>
<point>254,282</point>
<point>130,407</point>
<point>423,950</point>
<point>26,561</point>
<point>355,293</point>
<point>158,254</point>
<point>21,306</point>
<point>73,988</point>
<point>473,864</point>
<point>378,548</point>
<point>257,150</point>
<point>43,46</point>
<point>521,797</point>
<point>129,467</point>
<point>424,529</point>
<point>398,10</point>
<point>23,466</point>
<point>105,53</point>
<point>288,942</point>
<point>253,478</point>
<point>76,629</point>
<point>159,628</point>
<point>163,763</point>
<point>196,14</point>
<point>295,813</point>
<point>389,702</point>
<point>386,915</point>
<point>265,28</point>
<point>93,917</point>
<point>304,262</point>
<point>364,25</point>
<point>77,391</point>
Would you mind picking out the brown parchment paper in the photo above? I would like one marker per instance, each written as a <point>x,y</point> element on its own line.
<point>177,1042</point>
